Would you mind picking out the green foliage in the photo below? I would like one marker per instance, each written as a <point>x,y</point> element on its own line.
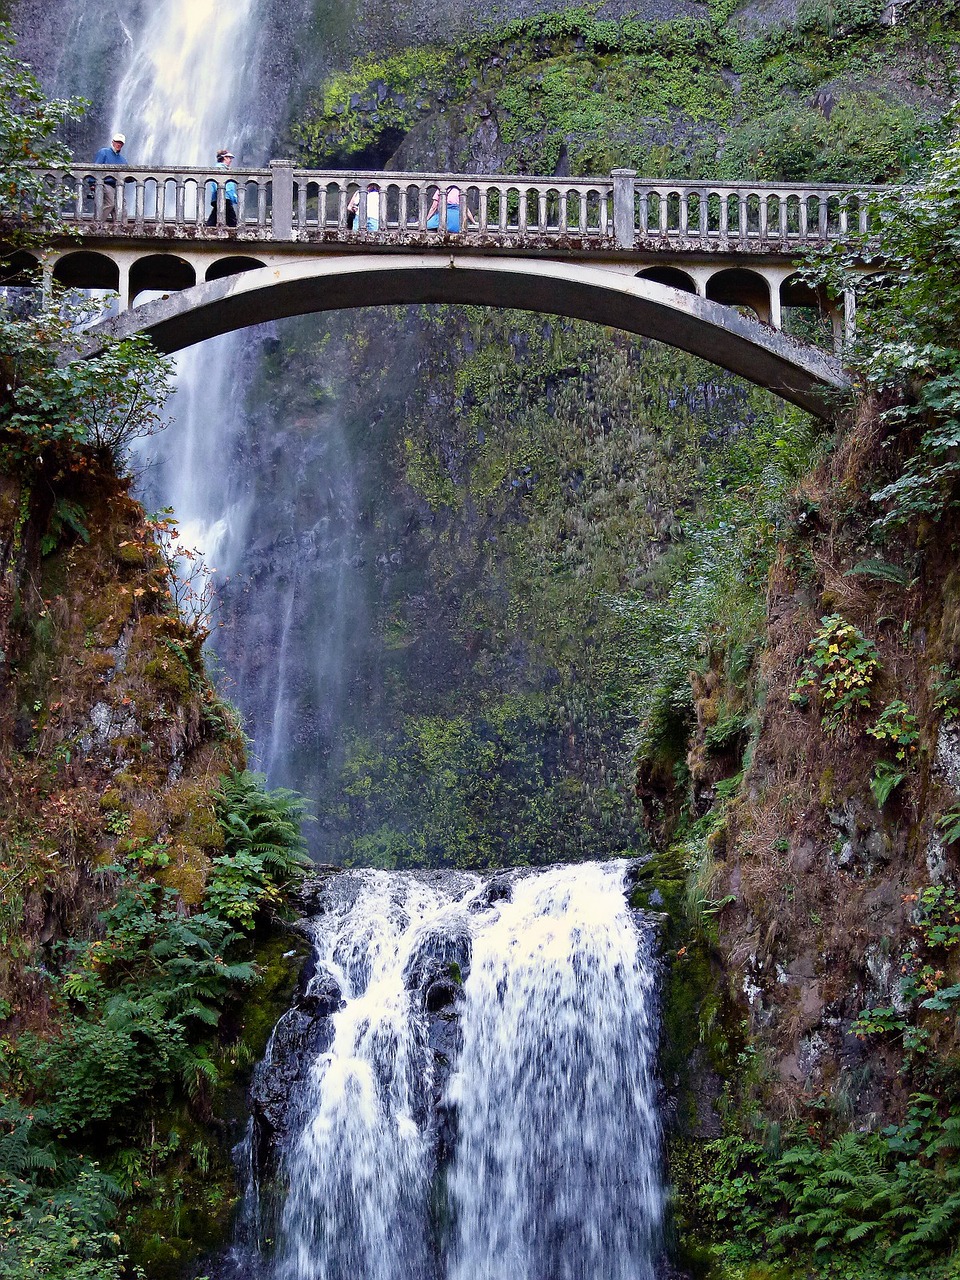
<point>486,790</point>
<point>935,925</point>
<point>48,407</point>
<point>884,780</point>
<point>865,1206</point>
<point>55,1209</point>
<point>945,688</point>
<point>897,726</point>
<point>711,606</point>
<point>104,403</point>
<point>145,994</point>
<point>138,1008</point>
<point>331,127</point>
<point>841,667</point>
<point>264,848</point>
<point>29,122</point>
<point>880,568</point>
<point>949,824</point>
<point>864,139</point>
<point>64,515</point>
<point>907,347</point>
<point>656,96</point>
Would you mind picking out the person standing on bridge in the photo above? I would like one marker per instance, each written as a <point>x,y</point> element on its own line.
<point>111,155</point>
<point>230,194</point>
<point>376,212</point>
<point>454,203</point>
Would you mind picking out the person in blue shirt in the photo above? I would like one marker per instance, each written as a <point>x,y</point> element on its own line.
<point>111,155</point>
<point>230,195</point>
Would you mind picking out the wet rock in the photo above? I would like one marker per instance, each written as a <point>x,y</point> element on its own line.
<point>279,1090</point>
<point>441,994</point>
<point>442,953</point>
<point>498,889</point>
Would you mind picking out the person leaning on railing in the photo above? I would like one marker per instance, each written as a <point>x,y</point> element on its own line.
<point>230,194</point>
<point>454,203</point>
<point>111,155</point>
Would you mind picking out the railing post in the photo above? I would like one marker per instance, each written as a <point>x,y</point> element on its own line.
<point>624,231</point>
<point>282,171</point>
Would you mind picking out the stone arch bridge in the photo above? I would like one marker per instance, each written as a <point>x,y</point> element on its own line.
<point>709,268</point>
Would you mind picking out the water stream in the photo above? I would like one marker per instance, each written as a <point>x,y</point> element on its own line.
<point>482,1104</point>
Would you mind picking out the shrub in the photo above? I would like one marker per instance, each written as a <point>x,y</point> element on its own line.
<point>841,667</point>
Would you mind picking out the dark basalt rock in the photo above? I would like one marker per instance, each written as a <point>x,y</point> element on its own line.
<point>498,889</point>
<point>278,1090</point>
<point>440,953</point>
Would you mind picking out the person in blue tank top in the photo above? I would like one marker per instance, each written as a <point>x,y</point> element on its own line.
<point>230,194</point>
<point>111,155</point>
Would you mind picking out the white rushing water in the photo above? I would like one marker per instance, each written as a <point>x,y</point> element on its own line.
<point>556,1170</point>
<point>359,1174</point>
<point>185,90</point>
<point>555,1174</point>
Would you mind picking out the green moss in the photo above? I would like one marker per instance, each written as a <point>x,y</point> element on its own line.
<point>682,98</point>
<point>270,998</point>
<point>168,672</point>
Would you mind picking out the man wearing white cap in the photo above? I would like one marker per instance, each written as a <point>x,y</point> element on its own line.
<point>111,155</point>
<point>230,194</point>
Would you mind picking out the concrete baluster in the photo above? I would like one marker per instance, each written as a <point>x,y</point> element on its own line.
<point>282,171</point>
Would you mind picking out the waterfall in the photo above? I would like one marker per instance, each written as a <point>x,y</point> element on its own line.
<point>555,1175</point>
<point>484,1103</point>
<point>183,93</point>
<point>359,1172</point>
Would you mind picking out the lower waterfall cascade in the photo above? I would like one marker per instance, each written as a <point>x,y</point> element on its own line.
<point>465,1087</point>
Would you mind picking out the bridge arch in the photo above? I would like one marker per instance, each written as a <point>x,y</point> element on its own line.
<point>740,287</point>
<point>607,296</point>
<point>164,272</point>
<point>85,269</point>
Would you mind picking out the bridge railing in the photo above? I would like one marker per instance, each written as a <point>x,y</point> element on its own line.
<point>621,211</point>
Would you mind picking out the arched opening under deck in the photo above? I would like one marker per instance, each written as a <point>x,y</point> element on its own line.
<point>739,287</point>
<point>670,276</point>
<point>163,272</point>
<point>87,270</point>
<point>224,267</point>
